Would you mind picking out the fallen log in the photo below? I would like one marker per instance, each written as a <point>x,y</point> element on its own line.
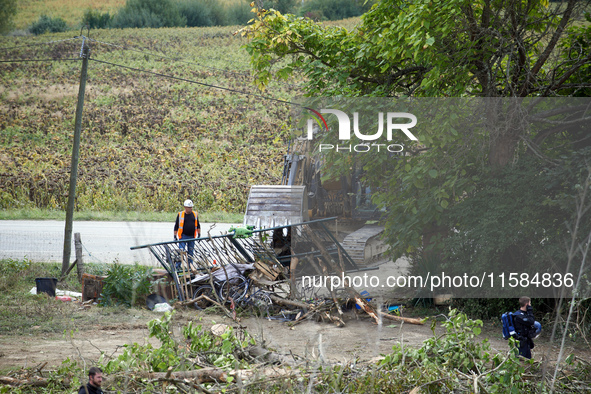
<point>268,373</point>
<point>30,382</point>
<point>286,302</point>
<point>400,318</point>
<point>201,375</point>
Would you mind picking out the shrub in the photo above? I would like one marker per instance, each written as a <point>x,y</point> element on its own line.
<point>148,13</point>
<point>199,13</point>
<point>46,24</point>
<point>315,15</point>
<point>451,362</point>
<point>7,12</point>
<point>283,6</point>
<point>126,285</point>
<point>174,354</point>
<point>335,9</point>
<point>10,271</point>
<point>239,13</point>
<point>94,19</point>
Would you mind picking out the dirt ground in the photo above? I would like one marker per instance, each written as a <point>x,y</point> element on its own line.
<point>361,339</point>
<point>93,331</point>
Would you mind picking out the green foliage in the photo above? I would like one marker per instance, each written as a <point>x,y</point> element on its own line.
<point>8,10</point>
<point>13,266</point>
<point>480,197</point>
<point>11,270</point>
<point>334,9</point>
<point>489,308</point>
<point>219,351</point>
<point>46,24</point>
<point>126,285</point>
<point>94,19</point>
<point>449,361</point>
<point>148,13</point>
<point>575,45</point>
<point>528,222</point>
<point>202,12</point>
<point>239,13</point>
<point>283,6</point>
<point>413,48</point>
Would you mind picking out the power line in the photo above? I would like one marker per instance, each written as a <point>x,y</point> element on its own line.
<point>179,60</point>
<point>36,60</point>
<point>146,71</point>
<point>196,82</point>
<point>171,58</point>
<point>39,43</point>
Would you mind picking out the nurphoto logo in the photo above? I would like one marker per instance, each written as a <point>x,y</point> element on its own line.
<point>394,124</point>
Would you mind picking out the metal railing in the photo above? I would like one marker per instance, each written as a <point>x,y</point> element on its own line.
<point>257,245</point>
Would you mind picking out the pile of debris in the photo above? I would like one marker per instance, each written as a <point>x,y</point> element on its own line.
<point>272,289</point>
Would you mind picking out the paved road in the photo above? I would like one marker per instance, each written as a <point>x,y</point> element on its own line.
<point>103,242</point>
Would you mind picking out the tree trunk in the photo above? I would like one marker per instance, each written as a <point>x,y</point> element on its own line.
<point>502,150</point>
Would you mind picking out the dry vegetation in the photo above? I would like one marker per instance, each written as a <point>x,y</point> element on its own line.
<point>69,10</point>
<point>148,141</point>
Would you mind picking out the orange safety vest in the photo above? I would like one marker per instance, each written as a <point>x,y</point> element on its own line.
<point>179,232</point>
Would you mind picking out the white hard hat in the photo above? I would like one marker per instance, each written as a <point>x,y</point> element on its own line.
<point>188,203</point>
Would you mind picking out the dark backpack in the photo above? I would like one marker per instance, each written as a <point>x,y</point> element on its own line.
<point>508,327</point>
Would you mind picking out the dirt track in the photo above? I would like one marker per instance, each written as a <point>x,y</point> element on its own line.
<point>359,339</point>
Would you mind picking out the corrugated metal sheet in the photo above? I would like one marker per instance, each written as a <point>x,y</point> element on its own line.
<point>276,205</point>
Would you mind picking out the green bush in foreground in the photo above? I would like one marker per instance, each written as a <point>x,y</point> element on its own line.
<point>126,285</point>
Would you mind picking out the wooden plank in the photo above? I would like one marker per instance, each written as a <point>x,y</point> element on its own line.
<point>79,261</point>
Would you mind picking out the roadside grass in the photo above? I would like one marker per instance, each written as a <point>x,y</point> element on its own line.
<point>118,216</point>
<point>22,313</point>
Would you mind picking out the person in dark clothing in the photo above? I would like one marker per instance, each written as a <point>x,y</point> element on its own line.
<point>281,244</point>
<point>95,380</point>
<point>526,327</point>
<point>187,227</point>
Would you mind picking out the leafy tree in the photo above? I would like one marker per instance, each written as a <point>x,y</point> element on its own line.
<point>283,6</point>
<point>47,24</point>
<point>335,9</point>
<point>202,12</point>
<point>7,12</point>
<point>459,48</point>
<point>148,13</point>
<point>94,19</point>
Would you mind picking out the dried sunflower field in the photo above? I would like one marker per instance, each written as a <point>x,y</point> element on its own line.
<point>168,114</point>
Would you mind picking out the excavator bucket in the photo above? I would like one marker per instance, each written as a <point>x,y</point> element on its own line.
<point>276,205</point>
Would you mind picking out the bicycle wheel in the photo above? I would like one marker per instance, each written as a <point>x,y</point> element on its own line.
<point>206,290</point>
<point>260,302</point>
<point>235,289</point>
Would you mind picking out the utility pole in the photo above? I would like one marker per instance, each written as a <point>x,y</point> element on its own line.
<point>75,158</point>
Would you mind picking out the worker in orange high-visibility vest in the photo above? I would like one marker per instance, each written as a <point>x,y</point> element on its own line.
<point>187,227</point>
